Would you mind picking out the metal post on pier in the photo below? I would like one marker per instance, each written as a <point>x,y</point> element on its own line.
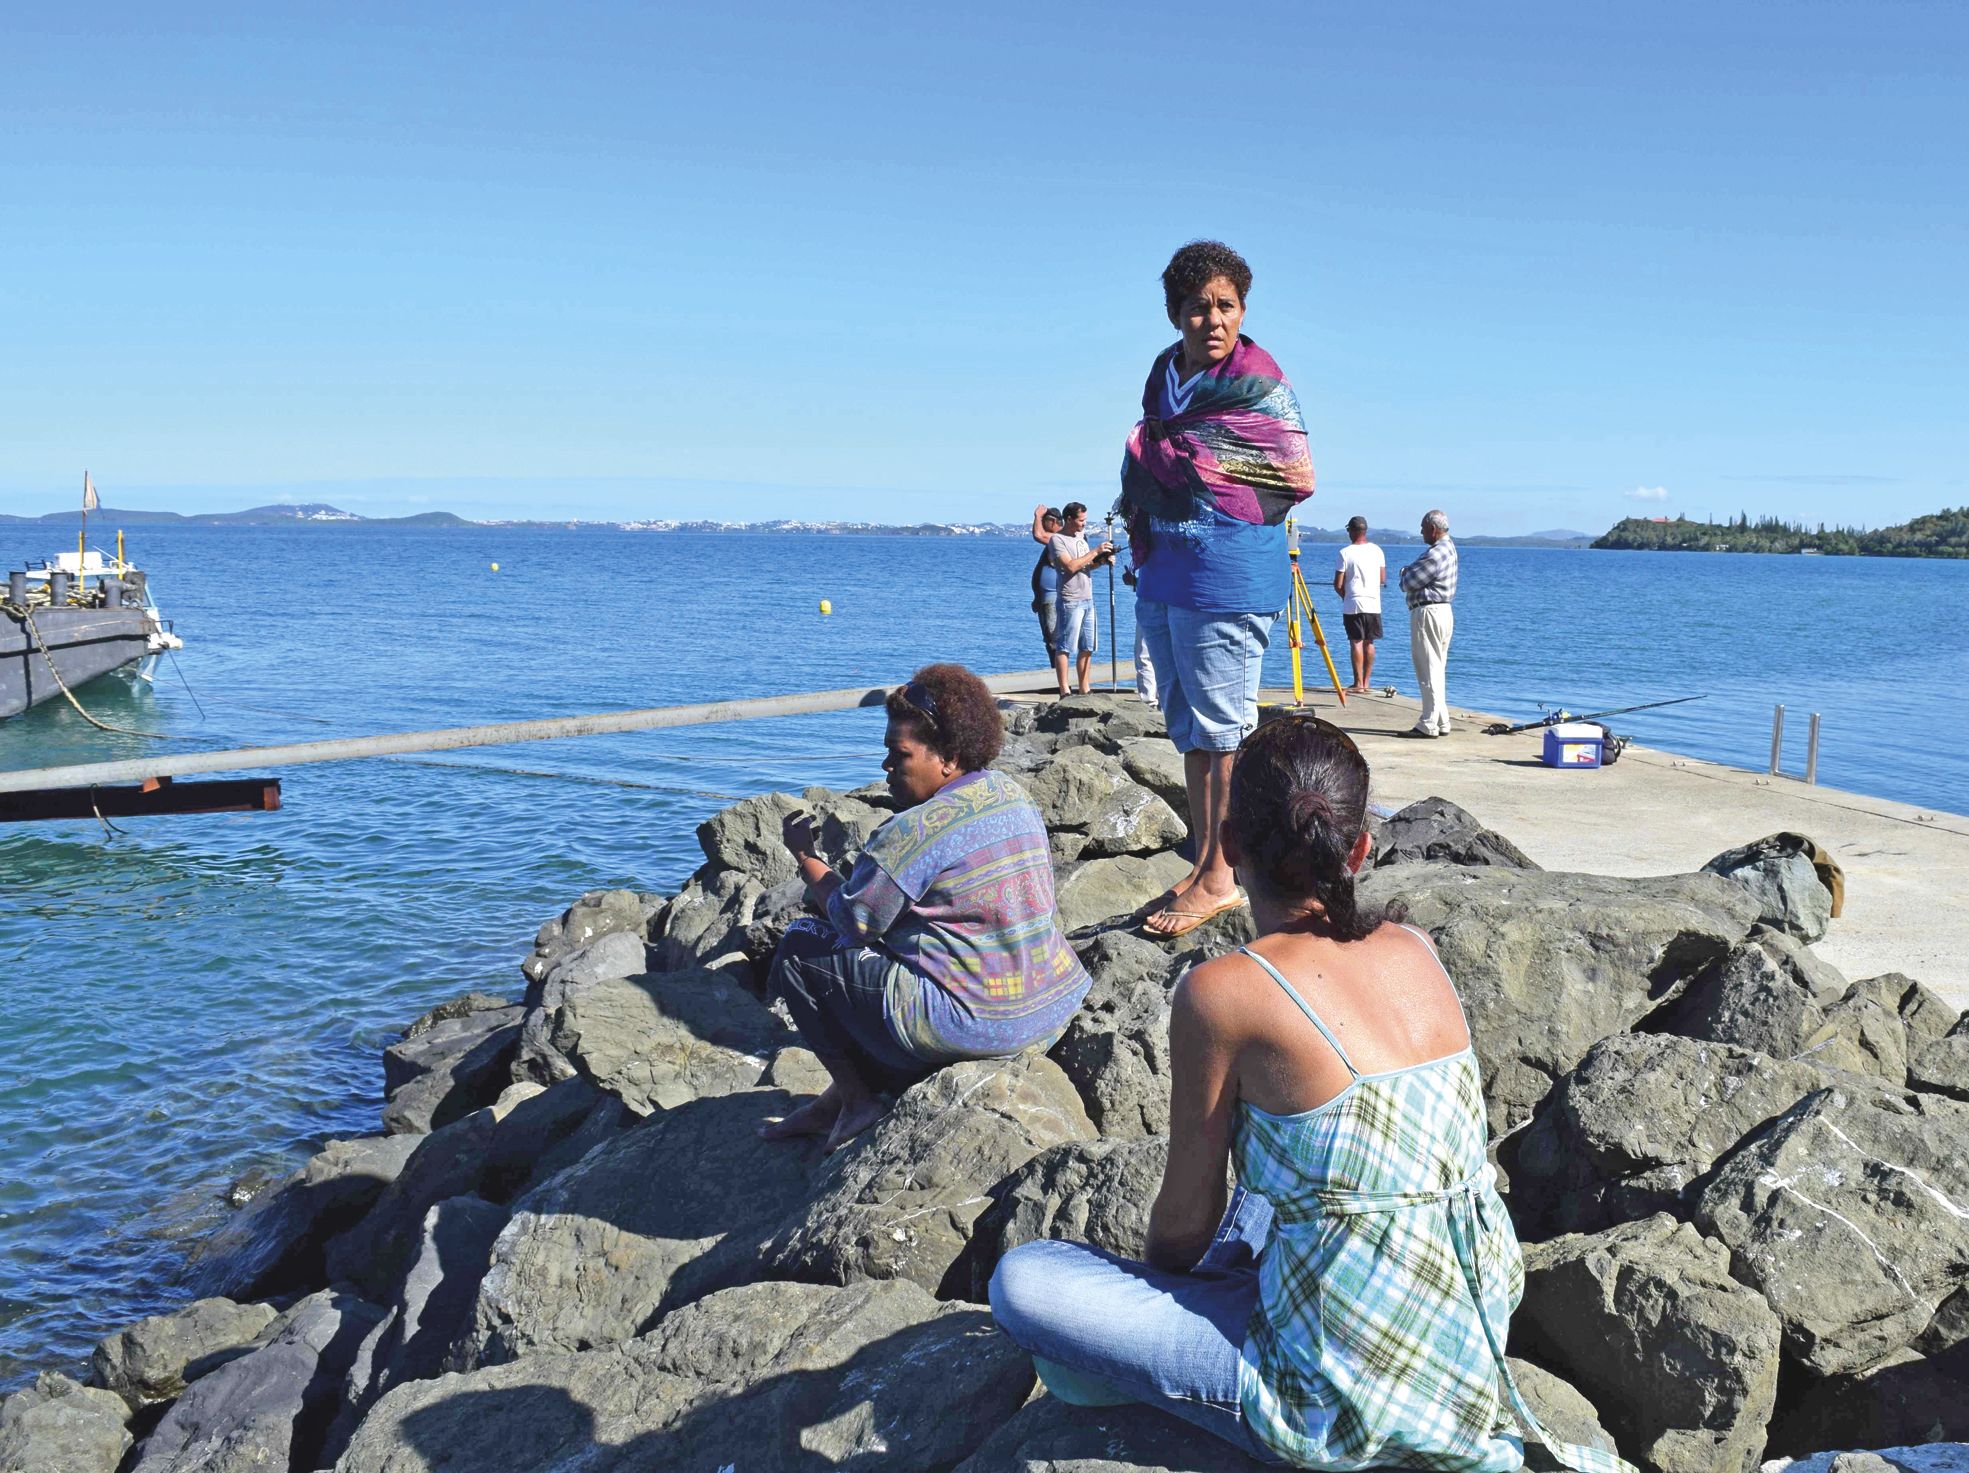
<point>1777,739</point>
<point>1812,751</point>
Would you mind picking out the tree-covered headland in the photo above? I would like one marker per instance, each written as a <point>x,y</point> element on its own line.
<point>1943,534</point>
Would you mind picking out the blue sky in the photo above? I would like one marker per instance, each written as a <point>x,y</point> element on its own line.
<point>1543,265</point>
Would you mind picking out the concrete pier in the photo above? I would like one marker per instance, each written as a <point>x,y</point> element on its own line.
<point>1652,812</point>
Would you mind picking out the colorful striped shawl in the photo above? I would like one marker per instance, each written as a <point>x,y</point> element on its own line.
<point>1239,446</point>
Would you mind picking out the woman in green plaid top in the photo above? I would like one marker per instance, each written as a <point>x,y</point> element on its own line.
<point>1347,1308</point>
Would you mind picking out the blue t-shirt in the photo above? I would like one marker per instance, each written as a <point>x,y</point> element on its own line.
<point>1047,579</point>
<point>1216,565</point>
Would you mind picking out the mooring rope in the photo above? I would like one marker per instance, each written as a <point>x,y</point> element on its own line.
<point>26,616</point>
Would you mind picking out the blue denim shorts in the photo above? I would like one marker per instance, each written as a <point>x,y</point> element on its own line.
<point>1076,627</point>
<point>1207,669</point>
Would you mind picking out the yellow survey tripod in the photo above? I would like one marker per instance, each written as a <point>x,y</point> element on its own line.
<point>1302,603</point>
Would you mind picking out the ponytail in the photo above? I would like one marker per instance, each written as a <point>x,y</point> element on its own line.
<point>1298,806</point>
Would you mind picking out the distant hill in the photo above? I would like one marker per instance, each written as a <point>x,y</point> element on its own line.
<point>1943,534</point>
<point>312,513</point>
<point>1408,536</point>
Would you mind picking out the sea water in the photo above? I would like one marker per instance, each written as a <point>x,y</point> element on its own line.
<point>186,1000</point>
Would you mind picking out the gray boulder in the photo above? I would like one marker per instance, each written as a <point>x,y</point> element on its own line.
<point>590,918</point>
<point>464,1005</point>
<point>899,1204</point>
<point>489,1153</point>
<point>1104,889</point>
<point>1791,890</point>
<point>1644,1318</point>
<point>746,837</point>
<point>56,1425</point>
<point>1761,996</point>
<point>1561,1410</point>
<point>270,1409</point>
<point>1862,1033</point>
<point>1950,1326</point>
<point>1942,1067</point>
<point>443,1067</point>
<point>618,954</point>
<point>707,920</point>
<point>797,1071</point>
<point>1071,790</point>
<point>770,1376</point>
<point>1116,1048</point>
<point>1846,1212</point>
<point>1907,1398</point>
<point>1064,846</point>
<point>1435,830</point>
<point>154,1359</point>
<point>772,915</point>
<point>1636,1127</point>
<point>1118,711</point>
<point>1132,820</point>
<point>670,1209</point>
<point>1096,1192</point>
<point>1156,765</point>
<point>1049,1436</point>
<point>657,1040</point>
<point>600,913</point>
<point>275,1244</point>
<point>1020,757</point>
<point>433,1309</point>
<point>1548,964</point>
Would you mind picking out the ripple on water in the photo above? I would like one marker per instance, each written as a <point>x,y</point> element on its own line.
<point>195,998</point>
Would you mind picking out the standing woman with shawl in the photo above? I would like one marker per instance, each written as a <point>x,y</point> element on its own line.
<point>1210,474</point>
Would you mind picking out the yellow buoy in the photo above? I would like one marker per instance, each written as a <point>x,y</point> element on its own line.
<point>495,567</point>
<point>826,607</point>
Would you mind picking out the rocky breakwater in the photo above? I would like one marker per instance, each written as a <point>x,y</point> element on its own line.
<point>1741,1178</point>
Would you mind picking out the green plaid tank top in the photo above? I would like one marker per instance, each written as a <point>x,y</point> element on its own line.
<point>1389,1280</point>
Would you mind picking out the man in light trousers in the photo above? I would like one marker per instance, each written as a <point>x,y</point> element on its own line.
<point>1430,583</point>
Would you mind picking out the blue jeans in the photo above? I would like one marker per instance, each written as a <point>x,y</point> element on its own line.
<point>1207,668</point>
<point>1075,629</point>
<point>1124,1331</point>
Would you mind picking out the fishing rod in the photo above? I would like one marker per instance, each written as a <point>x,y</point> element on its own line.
<point>1498,728</point>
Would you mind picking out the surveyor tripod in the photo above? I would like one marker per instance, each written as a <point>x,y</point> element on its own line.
<point>1302,603</point>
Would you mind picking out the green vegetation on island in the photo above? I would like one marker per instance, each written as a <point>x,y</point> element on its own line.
<point>1943,534</point>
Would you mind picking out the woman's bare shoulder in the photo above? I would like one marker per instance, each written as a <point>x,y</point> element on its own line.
<point>1213,995</point>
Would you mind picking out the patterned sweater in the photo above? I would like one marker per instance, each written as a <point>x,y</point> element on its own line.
<point>959,891</point>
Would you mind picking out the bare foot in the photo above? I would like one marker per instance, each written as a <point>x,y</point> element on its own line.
<point>854,1119</point>
<point>816,1117</point>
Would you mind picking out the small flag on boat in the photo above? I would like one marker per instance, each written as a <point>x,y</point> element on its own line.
<point>89,502</point>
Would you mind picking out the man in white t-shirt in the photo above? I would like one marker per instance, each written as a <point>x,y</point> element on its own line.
<point>1357,578</point>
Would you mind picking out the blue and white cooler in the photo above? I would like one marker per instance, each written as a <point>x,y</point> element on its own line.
<point>1574,744</point>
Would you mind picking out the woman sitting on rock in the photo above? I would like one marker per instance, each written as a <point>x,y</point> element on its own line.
<point>942,944</point>
<point>1349,1308</point>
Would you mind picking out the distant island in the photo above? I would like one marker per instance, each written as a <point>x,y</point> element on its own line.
<point>1943,534</point>
<point>318,514</point>
<point>259,516</point>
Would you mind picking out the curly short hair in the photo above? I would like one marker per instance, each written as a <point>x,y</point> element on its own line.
<point>1196,265</point>
<point>966,729</point>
